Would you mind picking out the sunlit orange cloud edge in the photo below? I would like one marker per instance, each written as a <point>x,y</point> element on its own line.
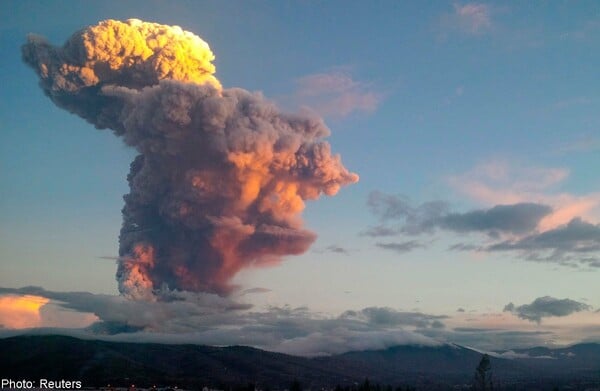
<point>31,311</point>
<point>17,312</point>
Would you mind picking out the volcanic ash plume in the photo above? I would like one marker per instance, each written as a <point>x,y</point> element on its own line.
<point>221,176</point>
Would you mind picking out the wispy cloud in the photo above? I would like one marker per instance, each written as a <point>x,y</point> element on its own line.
<point>577,242</point>
<point>401,247</point>
<point>470,19</point>
<point>464,247</point>
<point>336,94</point>
<point>489,339</point>
<point>334,248</point>
<point>506,330</point>
<point>570,102</point>
<point>514,219</point>
<point>414,220</point>
<point>587,30</point>
<point>498,181</point>
<point>473,18</point>
<point>584,144</point>
<point>385,316</point>
<point>250,291</point>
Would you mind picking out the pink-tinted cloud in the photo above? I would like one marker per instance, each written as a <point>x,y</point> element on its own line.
<point>336,94</point>
<point>568,207</point>
<point>498,182</point>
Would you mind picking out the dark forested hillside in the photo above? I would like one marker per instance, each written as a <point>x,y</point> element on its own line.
<point>98,363</point>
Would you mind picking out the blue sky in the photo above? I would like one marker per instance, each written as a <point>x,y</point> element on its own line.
<point>472,105</point>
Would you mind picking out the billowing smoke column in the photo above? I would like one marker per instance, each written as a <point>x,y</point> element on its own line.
<point>221,176</point>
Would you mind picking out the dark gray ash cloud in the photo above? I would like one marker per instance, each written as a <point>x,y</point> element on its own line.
<point>546,306</point>
<point>222,174</point>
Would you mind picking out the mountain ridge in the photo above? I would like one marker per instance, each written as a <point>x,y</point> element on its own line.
<point>98,362</point>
